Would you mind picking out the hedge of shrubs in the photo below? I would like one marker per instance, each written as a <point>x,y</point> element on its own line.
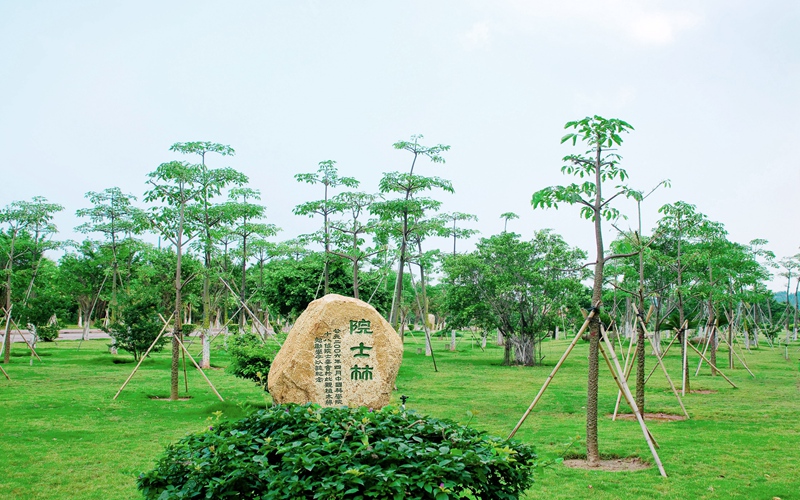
<point>305,451</point>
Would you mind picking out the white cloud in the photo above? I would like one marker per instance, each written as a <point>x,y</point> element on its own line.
<point>647,23</point>
<point>660,28</point>
<point>477,37</point>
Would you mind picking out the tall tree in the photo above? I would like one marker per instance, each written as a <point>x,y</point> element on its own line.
<point>790,269</point>
<point>712,247</point>
<point>459,232</point>
<point>516,286</point>
<point>639,243</point>
<point>328,176</point>
<point>597,165</point>
<point>176,184</point>
<point>206,214</point>
<point>114,216</point>
<point>679,227</point>
<point>507,216</point>
<point>248,224</point>
<point>406,208</point>
<point>352,230</point>
<point>35,218</point>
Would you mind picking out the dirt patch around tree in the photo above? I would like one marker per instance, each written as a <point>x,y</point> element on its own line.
<point>703,391</point>
<point>653,417</point>
<point>609,465</point>
<point>160,398</point>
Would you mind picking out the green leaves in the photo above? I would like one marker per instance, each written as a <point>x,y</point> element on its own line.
<point>202,147</point>
<point>280,454</point>
<point>433,153</point>
<point>328,175</point>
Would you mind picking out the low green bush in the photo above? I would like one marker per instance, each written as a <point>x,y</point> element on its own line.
<point>305,451</point>
<point>139,327</point>
<point>47,332</point>
<point>250,358</point>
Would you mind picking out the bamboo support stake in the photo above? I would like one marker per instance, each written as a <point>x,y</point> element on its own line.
<point>684,358</point>
<point>629,359</point>
<point>619,385</point>
<point>730,346</point>
<point>712,366</point>
<point>664,368</point>
<point>141,360</point>
<point>705,349</point>
<point>19,331</point>
<point>249,311</point>
<point>553,373</point>
<point>429,342</point>
<point>198,367</point>
<point>636,411</point>
<point>674,338</point>
<point>4,372</point>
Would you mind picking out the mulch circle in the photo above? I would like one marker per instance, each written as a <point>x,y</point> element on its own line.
<point>653,417</point>
<point>609,465</point>
<point>159,398</point>
<point>703,391</point>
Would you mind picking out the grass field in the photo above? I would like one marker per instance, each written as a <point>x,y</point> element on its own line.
<point>62,436</point>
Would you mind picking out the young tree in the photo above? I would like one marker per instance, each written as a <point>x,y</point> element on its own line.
<point>711,259</point>
<point>597,165</point>
<point>680,226</point>
<point>351,232</point>
<point>640,245</point>
<point>404,209</point>
<point>175,184</point>
<point>456,232</point>
<point>84,274</point>
<point>516,286</point>
<point>507,216</point>
<point>118,220</point>
<point>205,214</point>
<point>248,216</point>
<point>33,218</point>
<point>328,176</point>
<point>790,269</point>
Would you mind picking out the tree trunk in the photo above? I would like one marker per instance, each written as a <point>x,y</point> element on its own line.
<point>9,270</point>
<point>206,362</point>
<point>176,334</point>
<point>640,368</point>
<point>398,284</point>
<point>730,345</point>
<point>87,322</point>
<point>592,448</point>
<point>355,264</point>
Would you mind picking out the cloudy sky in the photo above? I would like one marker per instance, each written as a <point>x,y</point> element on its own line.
<point>93,93</point>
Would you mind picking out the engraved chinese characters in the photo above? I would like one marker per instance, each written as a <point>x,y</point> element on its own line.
<point>339,352</point>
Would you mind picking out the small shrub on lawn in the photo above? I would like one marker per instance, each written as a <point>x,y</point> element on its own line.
<point>250,358</point>
<point>305,451</point>
<point>47,332</point>
<point>140,326</point>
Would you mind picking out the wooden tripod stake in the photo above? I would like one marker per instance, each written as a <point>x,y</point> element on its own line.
<point>624,386</point>
<point>713,367</point>
<point>183,347</point>
<point>621,382</point>
<point>552,374</point>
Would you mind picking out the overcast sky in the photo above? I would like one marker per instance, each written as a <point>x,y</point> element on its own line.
<point>92,94</point>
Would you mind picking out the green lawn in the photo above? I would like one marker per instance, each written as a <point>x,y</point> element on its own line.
<point>62,436</point>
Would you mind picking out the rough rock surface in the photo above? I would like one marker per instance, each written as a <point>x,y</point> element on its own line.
<point>340,352</point>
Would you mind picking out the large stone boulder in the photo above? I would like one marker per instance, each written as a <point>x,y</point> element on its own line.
<point>340,352</point>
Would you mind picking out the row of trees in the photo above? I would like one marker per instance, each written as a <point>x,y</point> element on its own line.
<point>223,263</point>
<point>219,250</point>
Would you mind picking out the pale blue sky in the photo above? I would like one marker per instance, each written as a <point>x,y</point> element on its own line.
<point>92,94</point>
